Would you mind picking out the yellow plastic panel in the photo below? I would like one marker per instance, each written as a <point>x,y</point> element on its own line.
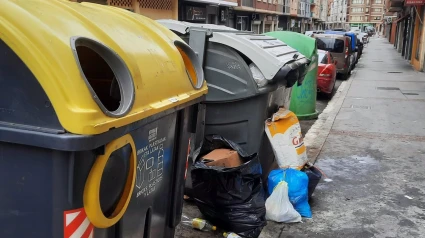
<point>40,31</point>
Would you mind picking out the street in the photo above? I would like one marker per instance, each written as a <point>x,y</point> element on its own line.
<point>370,143</point>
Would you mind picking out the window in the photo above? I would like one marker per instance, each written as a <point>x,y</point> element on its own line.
<point>330,44</point>
<point>376,9</point>
<point>357,2</point>
<point>376,18</point>
<point>377,2</point>
<point>357,9</point>
<point>332,59</point>
<point>242,23</point>
<point>356,18</point>
<point>323,59</point>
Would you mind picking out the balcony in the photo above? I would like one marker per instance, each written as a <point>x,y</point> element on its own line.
<point>396,5</point>
<point>247,3</point>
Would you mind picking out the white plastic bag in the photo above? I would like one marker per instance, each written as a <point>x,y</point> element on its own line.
<point>284,133</point>
<point>278,206</point>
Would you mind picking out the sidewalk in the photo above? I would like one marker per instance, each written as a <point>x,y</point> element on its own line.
<point>371,142</point>
<point>374,153</point>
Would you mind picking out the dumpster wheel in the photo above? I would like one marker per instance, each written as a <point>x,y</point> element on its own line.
<point>91,196</point>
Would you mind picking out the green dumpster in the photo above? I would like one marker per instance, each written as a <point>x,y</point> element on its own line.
<point>303,99</point>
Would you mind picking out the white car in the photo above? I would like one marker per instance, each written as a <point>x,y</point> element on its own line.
<point>360,36</point>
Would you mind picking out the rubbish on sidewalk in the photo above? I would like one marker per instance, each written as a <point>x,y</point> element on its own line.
<point>297,188</point>
<point>197,223</point>
<point>314,176</point>
<point>231,235</point>
<point>278,206</point>
<point>222,158</point>
<point>284,133</point>
<point>231,198</point>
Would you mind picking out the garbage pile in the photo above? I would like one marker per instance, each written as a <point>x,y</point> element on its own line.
<point>228,188</point>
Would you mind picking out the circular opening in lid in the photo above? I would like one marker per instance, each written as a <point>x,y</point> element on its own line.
<point>192,64</point>
<point>106,75</point>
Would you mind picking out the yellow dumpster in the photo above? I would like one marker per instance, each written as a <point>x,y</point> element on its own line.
<point>95,113</point>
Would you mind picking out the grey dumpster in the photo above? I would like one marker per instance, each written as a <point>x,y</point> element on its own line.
<point>242,71</point>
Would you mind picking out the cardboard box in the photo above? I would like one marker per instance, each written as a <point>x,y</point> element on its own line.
<point>222,158</point>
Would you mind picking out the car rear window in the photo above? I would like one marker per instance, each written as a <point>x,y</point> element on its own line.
<point>322,58</point>
<point>330,44</point>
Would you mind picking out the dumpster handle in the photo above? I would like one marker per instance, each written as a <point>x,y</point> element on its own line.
<point>91,197</point>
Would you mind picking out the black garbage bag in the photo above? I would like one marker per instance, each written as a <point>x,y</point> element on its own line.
<point>314,176</point>
<point>232,199</point>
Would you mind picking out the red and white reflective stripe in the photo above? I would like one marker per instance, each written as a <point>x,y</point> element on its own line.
<point>77,224</point>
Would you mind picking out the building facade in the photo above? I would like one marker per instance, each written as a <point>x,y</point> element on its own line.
<point>338,14</point>
<point>404,28</point>
<point>218,12</point>
<point>363,13</point>
<point>247,15</point>
<point>155,9</point>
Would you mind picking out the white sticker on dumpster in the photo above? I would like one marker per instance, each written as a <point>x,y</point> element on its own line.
<point>150,166</point>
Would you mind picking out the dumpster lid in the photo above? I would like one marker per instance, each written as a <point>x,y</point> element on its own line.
<point>64,37</point>
<point>267,53</point>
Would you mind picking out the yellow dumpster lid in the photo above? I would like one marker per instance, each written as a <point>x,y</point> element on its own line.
<point>66,46</point>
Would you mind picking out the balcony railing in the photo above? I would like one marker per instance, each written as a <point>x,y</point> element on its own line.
<point>247,3</point>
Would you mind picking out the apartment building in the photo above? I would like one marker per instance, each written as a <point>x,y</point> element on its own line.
<point>323,14</point>
<point>338,14</point>
<point>199,11</point>
<point>315,14</point>
<point>258,16</point>
<point>363,13</point>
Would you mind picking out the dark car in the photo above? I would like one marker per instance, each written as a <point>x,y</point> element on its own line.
<point>360,46</point>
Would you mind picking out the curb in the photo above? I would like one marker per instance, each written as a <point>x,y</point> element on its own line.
<point>316,137</point>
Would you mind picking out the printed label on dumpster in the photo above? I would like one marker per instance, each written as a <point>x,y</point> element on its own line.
<point>77,224</point>
<point>150,165</point>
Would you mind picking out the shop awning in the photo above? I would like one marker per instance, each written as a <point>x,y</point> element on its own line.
<point>414,2</point>
<point>216,2</point>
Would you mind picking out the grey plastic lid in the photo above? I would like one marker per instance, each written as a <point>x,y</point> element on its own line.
<point>267,53</point>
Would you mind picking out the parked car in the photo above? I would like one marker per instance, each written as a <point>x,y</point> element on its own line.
<point>359,49</point>
<point>353,44</point>
<point>326,73</point>
<point>363,35</point>
<point>340,48</point>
